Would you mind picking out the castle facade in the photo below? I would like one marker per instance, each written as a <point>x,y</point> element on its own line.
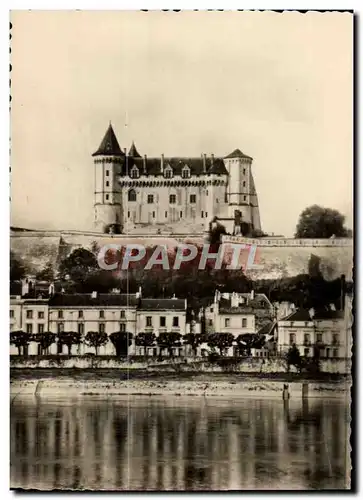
<point>132,190</point>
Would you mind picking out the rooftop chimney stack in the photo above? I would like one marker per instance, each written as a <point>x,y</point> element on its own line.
<point>162,164</point>
<point>212,158</point>
<point>144,164</point>
<point>204,164</point>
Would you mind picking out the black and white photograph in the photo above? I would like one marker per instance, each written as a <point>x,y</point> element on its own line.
<point>181,250</point>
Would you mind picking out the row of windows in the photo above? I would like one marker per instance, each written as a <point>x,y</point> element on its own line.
<point>319,338</point>
<point>29,314</point>
<point>168,173</point>
<point>80,328</point>
<point>162,321</point>
<point>153,214</point>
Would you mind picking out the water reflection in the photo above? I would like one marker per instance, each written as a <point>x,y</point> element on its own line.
<point>178,444</point>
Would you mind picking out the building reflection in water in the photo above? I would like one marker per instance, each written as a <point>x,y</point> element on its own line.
<point>180,444</point>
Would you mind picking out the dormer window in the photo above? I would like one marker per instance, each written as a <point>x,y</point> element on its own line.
<point>134,173</point>
<point>168,173</point>
<point>186,172</point>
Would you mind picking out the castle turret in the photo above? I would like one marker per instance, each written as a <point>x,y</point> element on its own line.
<point>241,193</point>
<point>108,162</point>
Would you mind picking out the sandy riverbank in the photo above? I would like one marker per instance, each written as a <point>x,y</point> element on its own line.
<point>203,385</point>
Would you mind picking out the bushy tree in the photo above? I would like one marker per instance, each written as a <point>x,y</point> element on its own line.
<point>121,342</point>
<point>96,340</point>
<point>194,340</point>
<point>20,340</point>
<point>79,265</point>
<point>145,339</point>
<point>293,358</point>
<point>319,222</point>
<point>46,274</point>
<point>247,341</point>
<point>45,340</point>
<point>17,268</point>
<point>168,340</point>
<point>220,341</point>
<point>69,339</point>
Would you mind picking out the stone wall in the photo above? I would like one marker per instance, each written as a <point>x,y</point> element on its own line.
<point>278,258</point>
<point>200,365</point>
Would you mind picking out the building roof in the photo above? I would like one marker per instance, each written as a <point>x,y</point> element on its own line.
<point>322,315</point>
<point>225,307</point>
<point>237,153</point>
<point>15,288</point>
<point>299,315</point>
<point>109,145</point>
<point>267,329</point>
<point>162,304</point>
<point>133,151</point>
<point>86,300</point>
<point>196,165</point>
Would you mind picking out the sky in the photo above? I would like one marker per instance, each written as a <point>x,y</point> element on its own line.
<point>277,86</point>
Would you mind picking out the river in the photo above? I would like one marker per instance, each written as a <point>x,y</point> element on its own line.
<point>174,443</point>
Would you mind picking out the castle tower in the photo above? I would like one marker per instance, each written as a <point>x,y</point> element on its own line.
<point>241,191</point>
<point>108,162</point>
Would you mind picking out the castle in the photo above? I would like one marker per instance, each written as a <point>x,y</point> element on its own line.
<point>131,190</point>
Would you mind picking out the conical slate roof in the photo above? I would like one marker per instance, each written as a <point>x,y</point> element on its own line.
<point>133,151</point>
<point>109,145</point>
<point>237,153</point>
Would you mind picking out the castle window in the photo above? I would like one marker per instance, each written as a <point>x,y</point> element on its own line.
<point>185,172</point>
<point>168,173</point>
<point>244,198</point>
<point>217,200</point>
<point>107,173</point>
<point>172,199</point>
<point>206,192</point>
<point>134,174</point>
<point>128,214</point>
<point>225,197</point>
<point>107,183</point>
<point>132,195</point>
<point>153,215</point>
<point>244,183</point>
<point>202,214</point>
<point>244,171</point>
<point>166,215</point>
<point>107,197</point>
<point>150,198</point>
<point>181,214</point>
<point>193,198</point>
<point>206,214</point>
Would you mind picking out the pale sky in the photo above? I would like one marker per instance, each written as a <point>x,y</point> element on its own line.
<point>277,86</point>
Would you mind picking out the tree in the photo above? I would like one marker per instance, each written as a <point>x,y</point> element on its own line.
<point>293,358</point>
<point>220,341</point>
<point>17,268</point>
<point>194,340</point>
<point>121,342</point>
<point>145,339</point>
<point>247,341</point>
<point>20,340</point>
<point>69,339</point>
<point>320,222</point>
<point>46,274</point>
<point>168,340</point>
<point>45,340</point>
<point>78,265</point>
<point>96,340</point>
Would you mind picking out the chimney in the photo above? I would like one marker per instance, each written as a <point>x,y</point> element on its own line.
<point>252,294</point>
<point>144,164</point>
<point>212,158</point>
<point>140,292</point>
<point>162,164</point>
<point>204,164</point>
<point>94,295</point>
<point>51,289</point>
<point>24,286</point>
<point>234,300</point>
